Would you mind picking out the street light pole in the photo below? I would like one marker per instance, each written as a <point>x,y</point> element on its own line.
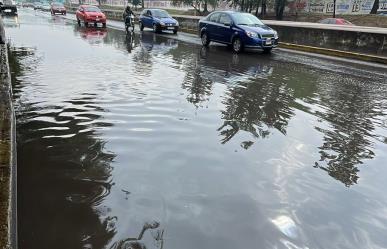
<point>334,8</point>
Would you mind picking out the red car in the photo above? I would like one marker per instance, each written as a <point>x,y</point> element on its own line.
<point>58,8</point>
<point>336,21</point>
<point>90,14</point>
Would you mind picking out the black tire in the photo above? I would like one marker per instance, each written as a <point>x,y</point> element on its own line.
<point>267,50</point>
<point>95,24</point>
<point>237,45</point>
<point>86,24</point>
<point>104,25</point>
<point>205,39</point>
<point>175,31</point>
<point>79,22</point>
<point>141,26</point>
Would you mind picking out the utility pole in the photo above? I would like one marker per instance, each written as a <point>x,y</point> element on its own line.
<point>334,8</point>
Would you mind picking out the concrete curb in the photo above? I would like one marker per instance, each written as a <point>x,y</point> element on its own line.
<point>335,53</point>
<point>8,212</point>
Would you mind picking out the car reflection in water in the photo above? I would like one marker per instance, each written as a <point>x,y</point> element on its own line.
<point>92,35</point>
<point>156,44</point>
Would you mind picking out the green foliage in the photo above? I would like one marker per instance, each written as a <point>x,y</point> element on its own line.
<point>136,2</point>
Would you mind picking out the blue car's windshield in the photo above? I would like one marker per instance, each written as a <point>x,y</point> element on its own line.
<point>160,14</point>
<point>246,19</point>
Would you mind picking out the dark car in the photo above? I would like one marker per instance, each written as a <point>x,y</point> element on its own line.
<point>58,8</point>
<point>8,7</point>
<point>158,20</point>
<point>239,30</point>
<point>336,21</point>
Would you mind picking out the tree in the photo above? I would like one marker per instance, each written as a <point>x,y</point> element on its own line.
<point>375,7</point>
<point>279,9</point>
<point>197,4</point>
<point>136,3</point>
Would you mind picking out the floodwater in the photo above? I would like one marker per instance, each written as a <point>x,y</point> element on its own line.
<point>151,142</point>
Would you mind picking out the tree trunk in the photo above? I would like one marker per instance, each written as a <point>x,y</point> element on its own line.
<point>142,4</point>
<point>375,8</point>
<point>205,8</point>
<point>263,9</point>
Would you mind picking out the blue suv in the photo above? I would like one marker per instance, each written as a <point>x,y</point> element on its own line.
<point>158,20</point>
<point>238,30</point>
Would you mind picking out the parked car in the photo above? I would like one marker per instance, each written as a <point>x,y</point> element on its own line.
<point>8,7</point>
<point>336,21</point>
<point>90,14</point>
<point>46,7</point>
<point>158,20</point>
<point>37,6</point>
<point>27,5</point>
<point>238,30</point>
<point>58,8</point>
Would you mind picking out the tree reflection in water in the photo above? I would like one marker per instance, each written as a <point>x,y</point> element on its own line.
<point>252,104</point>
<point>61,155</point>
<point>351,111</point>
<point>256,107</point>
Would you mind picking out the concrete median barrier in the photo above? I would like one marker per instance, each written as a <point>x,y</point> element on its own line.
<point>7,155</point>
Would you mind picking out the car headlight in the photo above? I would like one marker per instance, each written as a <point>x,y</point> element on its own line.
<point>275,35</point>
<point>252,34</point>
<point>162,23</point>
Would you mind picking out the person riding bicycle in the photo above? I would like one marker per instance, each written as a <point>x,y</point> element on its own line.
<point>126,15</point>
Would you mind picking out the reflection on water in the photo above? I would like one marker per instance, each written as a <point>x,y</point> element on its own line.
<point>141,141</point>
<point>351,111</point>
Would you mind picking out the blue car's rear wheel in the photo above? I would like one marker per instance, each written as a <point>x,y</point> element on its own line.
<point>237,45</point>
<point>205,40</point>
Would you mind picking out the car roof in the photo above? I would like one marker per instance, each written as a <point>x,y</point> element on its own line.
<point>228,12</point>
<point>155,9</point>
<point>87,5</point>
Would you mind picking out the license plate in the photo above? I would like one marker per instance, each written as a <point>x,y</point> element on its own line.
<point>171,28</point>
<point>268,41</point>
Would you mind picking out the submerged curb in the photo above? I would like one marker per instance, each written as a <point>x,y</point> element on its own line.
<point>335,53</point>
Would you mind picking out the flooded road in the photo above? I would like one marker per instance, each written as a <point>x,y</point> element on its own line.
<point>149,142</point>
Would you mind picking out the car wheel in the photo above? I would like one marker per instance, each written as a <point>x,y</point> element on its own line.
<point>175,31</point>
<point>79,22</point>
<point>237,45</point>
<point>104,25</point>
<point>205,40</point>
<point>141,26</point>
<point>267,50</point>
<point>86,24</point>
